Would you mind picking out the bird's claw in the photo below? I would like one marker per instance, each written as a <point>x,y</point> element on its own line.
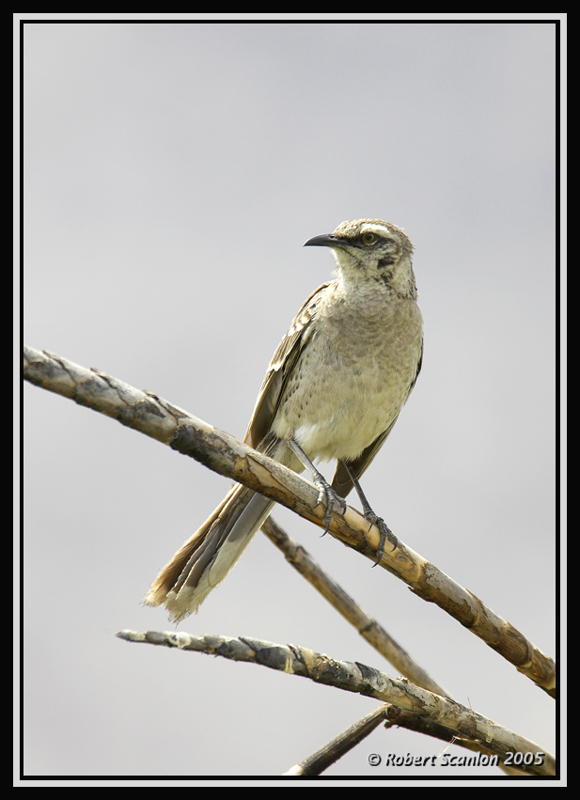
<point>330,498</point>
<point>386,533</point>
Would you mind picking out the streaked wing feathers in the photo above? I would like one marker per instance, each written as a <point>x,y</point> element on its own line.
<point>280,367</point>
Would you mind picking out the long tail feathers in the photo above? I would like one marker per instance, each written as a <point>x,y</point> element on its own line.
<point>207,557</point>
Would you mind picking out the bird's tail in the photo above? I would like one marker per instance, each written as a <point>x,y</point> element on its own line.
<point>207,557</point>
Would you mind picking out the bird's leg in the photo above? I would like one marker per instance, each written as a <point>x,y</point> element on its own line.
<point>386,532</point>
<point>325,490</point>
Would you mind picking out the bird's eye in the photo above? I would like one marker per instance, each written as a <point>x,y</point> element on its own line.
<point>369,238</point>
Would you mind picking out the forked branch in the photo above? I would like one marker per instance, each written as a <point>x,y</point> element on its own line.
<point>228,456</point>
<point>355,677</point>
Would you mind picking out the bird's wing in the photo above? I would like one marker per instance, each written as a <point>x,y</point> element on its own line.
<point>281,366</point>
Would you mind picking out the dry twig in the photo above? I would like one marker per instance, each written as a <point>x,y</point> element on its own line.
<point>341,744</point>
<point>368,628</point>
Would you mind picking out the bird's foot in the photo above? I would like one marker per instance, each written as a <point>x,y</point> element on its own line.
<point>326,493</point>
<point>330,498</point>
<point>374,519</point>
<point>385,531</point>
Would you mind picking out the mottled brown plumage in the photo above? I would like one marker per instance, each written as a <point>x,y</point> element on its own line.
<point>333,390</point>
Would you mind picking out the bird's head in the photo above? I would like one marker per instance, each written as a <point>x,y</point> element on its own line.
<point>372,249</point>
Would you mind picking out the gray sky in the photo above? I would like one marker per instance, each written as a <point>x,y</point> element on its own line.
<point>172,173</point>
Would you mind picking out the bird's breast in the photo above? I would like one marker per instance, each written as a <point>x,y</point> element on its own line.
<point>352,378</point>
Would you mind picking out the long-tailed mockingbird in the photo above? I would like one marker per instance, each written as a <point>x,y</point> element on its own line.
<point>333,390</point>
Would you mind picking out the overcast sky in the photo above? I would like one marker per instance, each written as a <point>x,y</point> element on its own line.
<point>172,173</point>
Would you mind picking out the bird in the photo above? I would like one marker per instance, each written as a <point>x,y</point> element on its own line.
<point>333,390</point>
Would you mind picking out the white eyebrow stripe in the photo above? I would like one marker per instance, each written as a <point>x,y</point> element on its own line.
<point>380,230</point>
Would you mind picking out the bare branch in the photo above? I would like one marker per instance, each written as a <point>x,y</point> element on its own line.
<point>339,746</point>
<point>368,628</point>
<point>401,718</point>
<point>226,455</point>
<point>392,716</point>
<point>365,680</point>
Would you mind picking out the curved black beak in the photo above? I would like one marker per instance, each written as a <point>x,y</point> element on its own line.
<point>325,240</point>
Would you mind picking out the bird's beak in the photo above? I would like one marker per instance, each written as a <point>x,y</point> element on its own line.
<point>325,240</point>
